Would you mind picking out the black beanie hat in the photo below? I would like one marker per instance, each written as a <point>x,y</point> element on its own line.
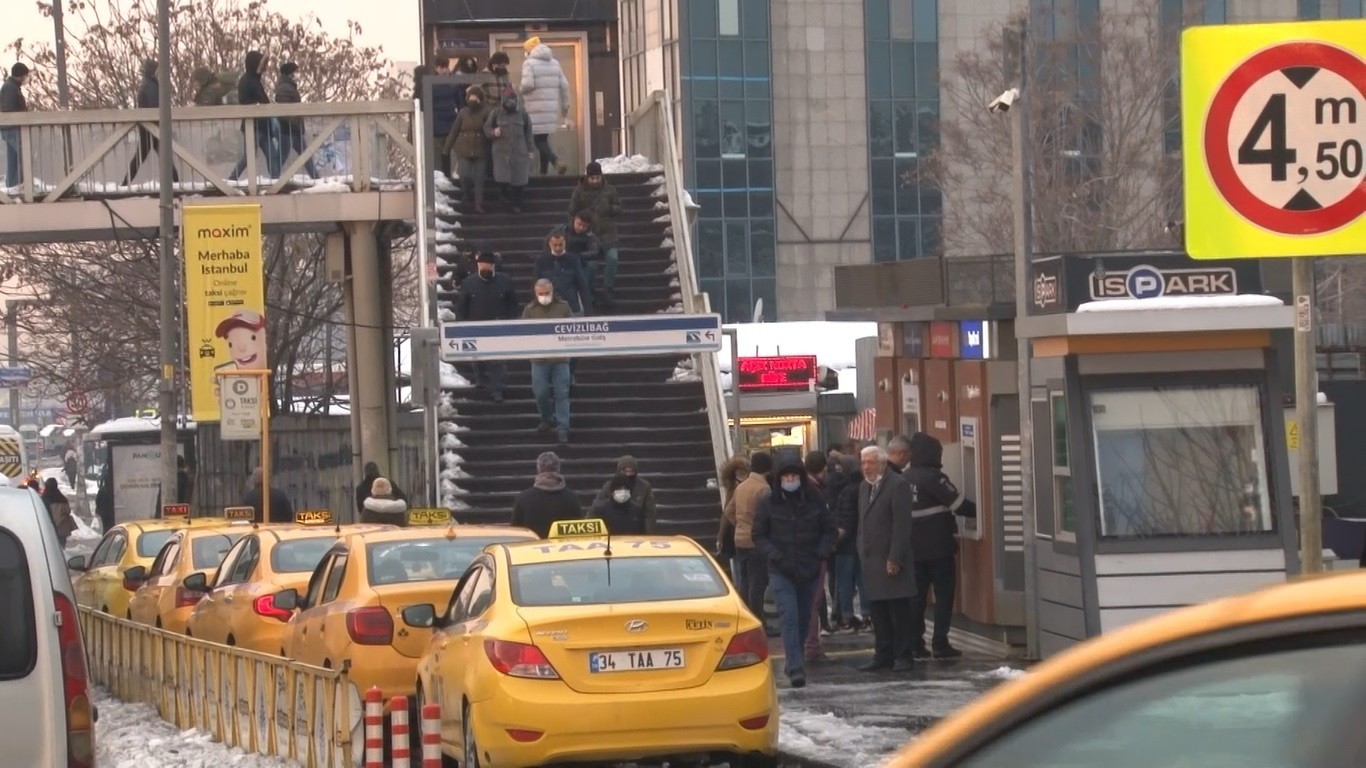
<point>594,168</point>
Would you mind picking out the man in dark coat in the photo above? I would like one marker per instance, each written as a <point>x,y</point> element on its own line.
<point>251,90</point>
<point>848,574</point>
<point>149,97</point>
<point>292,128</point>
<point>642,494</point>
<point>794,531</point>
<point>596,195</point>
<point>565,271</point>
<point>445,103</point>
<point>488,295</point>
<point>884,548</point>
<point>547,500</point>
<point>934,504</point>
<point>12,100</point>
<point>281,511</point>
<point>209,89</point>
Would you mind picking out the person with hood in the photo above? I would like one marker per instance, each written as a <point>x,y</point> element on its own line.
<point>70,464</point>
<point>12,100</point>
<point>209,90</point>
<point>367,481</point>
<point>884,550</point>
<point>149,97</point>
<point>753,563</point>
<point>291,128</point>
<point>565,271</point>
<point>508,126</point>
<point>184,484</point>
<point>550,373</point>
<point>935,502</point>
<point>60,510</point>
<point>104,499</point>
<point>848,575</point>
<point>595,195</point>
<point>642,494</point>
<point>383,507</point>
<point>488,295</point>
<point>445,105</point>
<point>465,65</point>
<point>545,90</point>
<point>469,147</point>
<point>732,472</point>
<point>281,510</point>
<point>620,509</point>
<point>251,90</point>
<point>794,531</point>
<point>547,500</point>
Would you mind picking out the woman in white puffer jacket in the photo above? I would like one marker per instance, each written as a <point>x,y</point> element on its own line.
<point>545,93</point>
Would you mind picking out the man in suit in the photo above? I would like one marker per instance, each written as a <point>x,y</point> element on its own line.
<point>884,547</point>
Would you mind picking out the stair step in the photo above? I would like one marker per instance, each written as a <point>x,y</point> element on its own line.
<point>527,451</point>
<point>497,217</point>
<point>505,497</point>
<point>592,436</point>
<point>623,389</point>
<point>578,422</point>
<point>519,479</point>
<point>477,227</point>
<point>468,406</point>
<point>650,468</point>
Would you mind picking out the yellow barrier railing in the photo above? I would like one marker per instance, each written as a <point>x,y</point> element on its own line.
<point>261,703</point>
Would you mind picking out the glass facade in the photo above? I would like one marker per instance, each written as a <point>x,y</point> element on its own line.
<point>1312,10</point>
<point>902,58</point>
<point>1174,16</point>
<point>728,152</point>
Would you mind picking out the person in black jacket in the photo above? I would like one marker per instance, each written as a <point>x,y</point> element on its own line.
<point>366,486</point>
<point>281,511</point>
<point>898,454</point>
<point>291,128</point>
<point>565,271</point>
<point>12,100</point>
<point>484,296</point>
<point>445,103</point>
<point>547,500</point>
<point>250,90</point>
<point>933,527</point>
<point>624,515</point>
<point>149,97</point>
<point>848,572</point>
<point>794,530</point>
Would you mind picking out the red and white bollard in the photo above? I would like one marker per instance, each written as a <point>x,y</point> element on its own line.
<point>374,728</point>
<point>400,748</point>
<point>431,736</point>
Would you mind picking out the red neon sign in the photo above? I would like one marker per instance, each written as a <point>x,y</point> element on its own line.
<point>789,372</point>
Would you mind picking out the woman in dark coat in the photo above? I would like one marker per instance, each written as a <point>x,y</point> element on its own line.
<point>509,128</point>
<point>470,147</point>
<point>623,515</point>
<point>60,510</point>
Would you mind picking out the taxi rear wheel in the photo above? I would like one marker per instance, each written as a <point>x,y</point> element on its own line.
<point>470,753</point>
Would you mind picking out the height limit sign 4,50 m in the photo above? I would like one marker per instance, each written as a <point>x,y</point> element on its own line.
<point>1275,139</point>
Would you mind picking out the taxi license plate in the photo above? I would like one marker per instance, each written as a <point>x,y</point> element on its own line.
<point>636,661</point>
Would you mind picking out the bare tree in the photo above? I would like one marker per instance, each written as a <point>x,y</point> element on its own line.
<point>95,327</point>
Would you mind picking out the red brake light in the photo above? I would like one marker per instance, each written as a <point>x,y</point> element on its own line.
<point>265,606</point>
<point>187,598</point>
<point>519,660</point>
<point>130,585</point>
<point>370,626</point>
<point>745,650</point>
<point>80,726</point>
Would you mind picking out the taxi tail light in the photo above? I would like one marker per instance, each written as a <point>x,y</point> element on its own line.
<point>265,606</point>
<point>370,626</point>
<point>80,720</point>
<point>519,660</point>
<point>130,584</point>
<point>187,598</point>
<point>754,723</point>
<point>745,650</point>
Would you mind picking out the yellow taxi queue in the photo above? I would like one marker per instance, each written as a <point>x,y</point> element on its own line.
<point>588,647</point>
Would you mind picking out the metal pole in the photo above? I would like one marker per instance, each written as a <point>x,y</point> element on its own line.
<point>169,358</point>
<point>12,331</point>
<point>1306,413</point>
<point>59,47</point>
<point>734,336</point>
<point>264,399</point>
<point>1024,254</point>
<point>418,352</point>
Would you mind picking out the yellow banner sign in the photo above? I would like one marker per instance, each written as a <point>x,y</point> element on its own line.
<point>429,516</point>
<point>225,302</point>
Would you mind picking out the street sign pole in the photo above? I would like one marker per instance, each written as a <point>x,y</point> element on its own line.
<point>229,421</point>
<point>1306,414</point>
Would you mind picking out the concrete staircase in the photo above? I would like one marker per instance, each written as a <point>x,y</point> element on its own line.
<point>624,405</point>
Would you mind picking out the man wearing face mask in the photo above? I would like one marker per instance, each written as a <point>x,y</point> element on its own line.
<point>794,530</point>
<point>640,492</point>
<point>621,512</point>
<point>566,271</point>
<point>550,373</point>
<point>509,128</point>
<point>487,295</point>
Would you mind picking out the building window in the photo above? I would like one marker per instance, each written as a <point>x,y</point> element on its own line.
<point>1064,504</point>
<point>1174,16</point>
<point>902,59</point>
<point>728,153</point>
<point>1180,461</point>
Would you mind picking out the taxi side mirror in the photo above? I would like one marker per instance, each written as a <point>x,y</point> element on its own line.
<point>288,600</point>
<point>196,582</point>
<point>420,616</point>
<point>134,577</point>
<point>77,563</point>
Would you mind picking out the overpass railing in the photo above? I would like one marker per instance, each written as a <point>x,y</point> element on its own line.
<point>228,150</point>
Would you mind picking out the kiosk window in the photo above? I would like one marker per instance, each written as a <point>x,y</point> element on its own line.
<point>1064,506</point>
<point>1180,461</point>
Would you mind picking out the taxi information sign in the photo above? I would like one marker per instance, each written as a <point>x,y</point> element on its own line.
<point>313,517</point>
<point>429,516</point>
<point>239,513</point>
<point>1273,139</point>
<point>567,529</point>
<point>175,510</point>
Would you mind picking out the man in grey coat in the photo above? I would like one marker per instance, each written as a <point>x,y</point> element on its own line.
<point>509,128</point>
<point>884,548</point>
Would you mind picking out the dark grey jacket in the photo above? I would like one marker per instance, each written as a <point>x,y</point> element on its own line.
<point>884,534</point>
<point>12,97</point>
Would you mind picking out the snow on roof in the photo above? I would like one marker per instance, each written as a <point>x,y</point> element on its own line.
<point>1181,302</point>
<point>830,341</point>
<point>133,425</point>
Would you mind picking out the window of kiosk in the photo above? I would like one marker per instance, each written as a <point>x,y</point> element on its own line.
<point>1180,461</point>
<point>911,421</point>
<point>1064,506</point>
<point>765,438</point>
<point>968,481</point>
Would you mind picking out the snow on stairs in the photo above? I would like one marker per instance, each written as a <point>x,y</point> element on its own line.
<point>619,405</point>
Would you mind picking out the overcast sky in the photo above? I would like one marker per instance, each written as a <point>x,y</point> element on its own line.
<point>388,23</point>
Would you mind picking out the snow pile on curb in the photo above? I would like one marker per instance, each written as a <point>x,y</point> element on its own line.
<point>829,739</point>
<point>134,736</point>
<point>1004,673</point>
<point>628,164</point>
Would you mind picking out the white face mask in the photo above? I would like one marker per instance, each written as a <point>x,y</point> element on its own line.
<point>545,300</point>
<point>792,485</point>
<point>621,495</point>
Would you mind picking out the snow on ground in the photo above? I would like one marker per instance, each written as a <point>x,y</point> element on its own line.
<point>834,740</point>
<point>134,736</point>
<point>1004,673</point>
<point>1181,302</point>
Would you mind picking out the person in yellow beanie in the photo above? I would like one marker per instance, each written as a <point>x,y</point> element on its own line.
<point>545,91</point>
<point>530,44</point>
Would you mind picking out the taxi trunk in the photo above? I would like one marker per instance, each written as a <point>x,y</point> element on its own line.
<point>625,648</point>
<point>409,641</point>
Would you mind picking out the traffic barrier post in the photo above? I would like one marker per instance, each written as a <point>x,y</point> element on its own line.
<point>374,728</point>
<point>431,736</point>
<point>400,740</point>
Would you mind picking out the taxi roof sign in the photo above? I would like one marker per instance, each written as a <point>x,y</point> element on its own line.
<point>176,510</point>
<point>239,513</point>
<point>313,517</point>
<point>568,529</point>
<point>429,516</point>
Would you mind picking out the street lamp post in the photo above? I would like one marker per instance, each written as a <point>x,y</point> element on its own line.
<point>166,402</point>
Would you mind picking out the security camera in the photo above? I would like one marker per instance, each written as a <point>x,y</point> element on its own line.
<point>1003,102</point>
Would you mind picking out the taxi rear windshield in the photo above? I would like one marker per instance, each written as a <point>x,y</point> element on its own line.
<point>619,580</point>
<point>300,555</point>
<point>210,549</point>
<point>406,562</point>
<point>149,543</point>
<point>18,620</point>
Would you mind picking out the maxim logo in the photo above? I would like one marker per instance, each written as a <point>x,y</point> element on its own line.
<point>1045,291</point>
<point>1147,282</point>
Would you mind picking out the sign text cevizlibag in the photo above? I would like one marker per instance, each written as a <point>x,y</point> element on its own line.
<point>580,337</point>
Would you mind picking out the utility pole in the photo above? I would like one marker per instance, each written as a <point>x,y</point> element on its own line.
<point>170,360</point>
<point>12,331</point>
<point>418,346</point>
<point>1307,415</point>
<point>59,47</point>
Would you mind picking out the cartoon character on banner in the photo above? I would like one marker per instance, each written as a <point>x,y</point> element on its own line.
<point>245,332</point>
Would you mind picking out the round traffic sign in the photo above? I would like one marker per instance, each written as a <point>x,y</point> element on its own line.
<point>77,402</point>
<point>1283,139</point>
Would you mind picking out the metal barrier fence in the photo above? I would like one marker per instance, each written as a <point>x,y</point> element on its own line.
<point>261,703</point>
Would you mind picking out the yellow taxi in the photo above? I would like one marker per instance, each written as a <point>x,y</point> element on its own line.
<point>348,612</point>
<point>238,607</point>
<point>584,648</point>
<point>163,598</point>
<point>1275,678</point>
<point>99,580</point>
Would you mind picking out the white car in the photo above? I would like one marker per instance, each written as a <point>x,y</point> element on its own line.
<point>49,719</point>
